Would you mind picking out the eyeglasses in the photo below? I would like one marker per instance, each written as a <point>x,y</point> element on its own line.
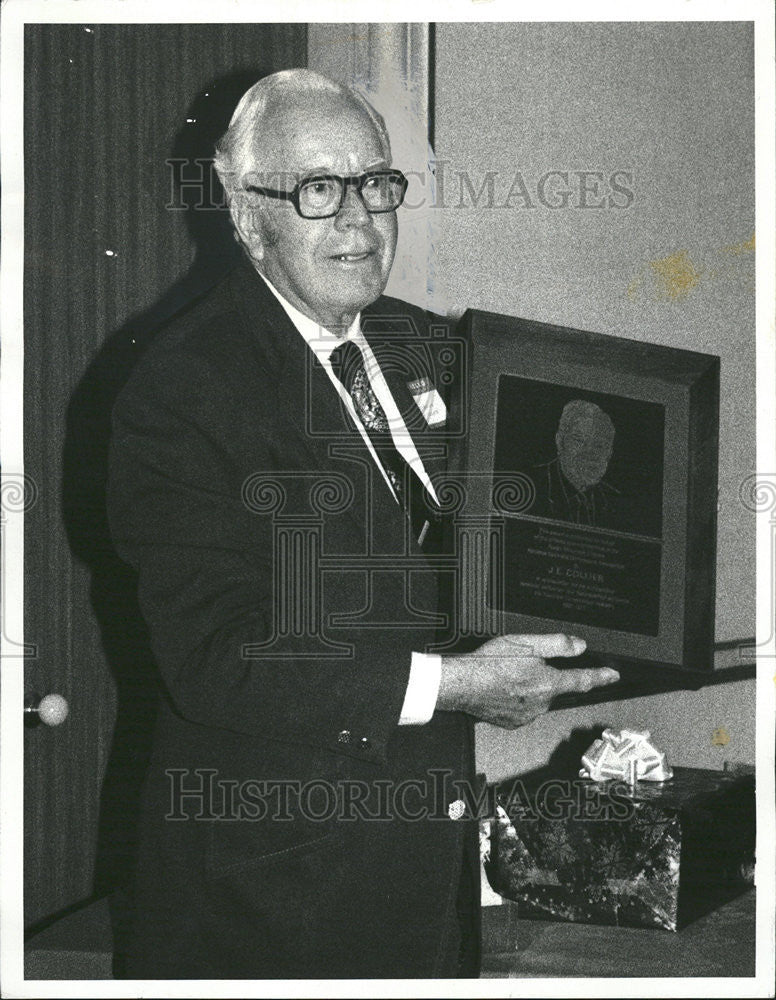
<point>322,196</point>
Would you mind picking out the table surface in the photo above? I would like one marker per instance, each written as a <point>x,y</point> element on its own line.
<point>721,943</point>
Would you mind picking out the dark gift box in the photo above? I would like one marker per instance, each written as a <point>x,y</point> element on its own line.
<point>650,855</point>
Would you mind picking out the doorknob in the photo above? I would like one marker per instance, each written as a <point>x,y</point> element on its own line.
<point>51,710</point>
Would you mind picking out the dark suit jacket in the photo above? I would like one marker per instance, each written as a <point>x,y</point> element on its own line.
<point>556,497</point>
<point>283,613</point>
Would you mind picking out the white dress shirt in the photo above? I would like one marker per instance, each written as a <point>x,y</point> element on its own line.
<point>425,668</point>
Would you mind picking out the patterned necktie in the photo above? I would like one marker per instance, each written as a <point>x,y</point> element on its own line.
<point>348,365</point>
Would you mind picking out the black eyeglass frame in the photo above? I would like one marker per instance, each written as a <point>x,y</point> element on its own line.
<point>357,181</point>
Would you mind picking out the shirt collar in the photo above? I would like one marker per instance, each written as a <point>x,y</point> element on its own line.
<point>320,340</point>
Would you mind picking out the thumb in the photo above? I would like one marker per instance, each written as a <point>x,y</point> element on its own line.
<point>568,681</point>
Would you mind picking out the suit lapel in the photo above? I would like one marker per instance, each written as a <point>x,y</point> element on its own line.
<point>319,436</point>
<point>404,355</point>
<point>315,430</point>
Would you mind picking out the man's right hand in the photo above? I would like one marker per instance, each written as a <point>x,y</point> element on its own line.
<point>506,681</point>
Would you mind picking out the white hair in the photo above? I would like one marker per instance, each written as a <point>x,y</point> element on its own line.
<point>577,408</point>
<point>238,148</point>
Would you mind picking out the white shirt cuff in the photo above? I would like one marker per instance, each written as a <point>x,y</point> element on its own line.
<point>422,689</point>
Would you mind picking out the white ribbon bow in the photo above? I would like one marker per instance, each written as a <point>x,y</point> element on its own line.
<point>630,755</point>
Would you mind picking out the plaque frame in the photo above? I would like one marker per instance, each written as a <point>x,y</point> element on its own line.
<point>509,354</point>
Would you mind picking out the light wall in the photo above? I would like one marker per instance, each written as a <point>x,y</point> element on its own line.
<point>669,109</point>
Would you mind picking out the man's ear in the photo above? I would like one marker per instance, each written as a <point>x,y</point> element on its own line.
<point>246,216</point>
<point>558,439</point>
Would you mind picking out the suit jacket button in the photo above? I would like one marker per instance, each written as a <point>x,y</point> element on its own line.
<point>364,743</point>
<point>345,736</point>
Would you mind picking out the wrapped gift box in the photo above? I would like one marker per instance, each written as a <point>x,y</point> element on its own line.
<point>647,855</point>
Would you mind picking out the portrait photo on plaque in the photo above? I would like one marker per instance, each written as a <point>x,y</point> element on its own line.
<point>589,458</point>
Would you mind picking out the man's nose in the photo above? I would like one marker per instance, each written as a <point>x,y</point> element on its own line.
<point>353,211</point>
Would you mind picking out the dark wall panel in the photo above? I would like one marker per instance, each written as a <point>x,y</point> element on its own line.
<point>107,259</point>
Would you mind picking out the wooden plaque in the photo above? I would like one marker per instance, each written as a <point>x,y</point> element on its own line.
<point>594,460</point>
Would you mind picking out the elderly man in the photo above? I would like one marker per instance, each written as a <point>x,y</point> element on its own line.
<point>572,486</point>
<point>306,810</point>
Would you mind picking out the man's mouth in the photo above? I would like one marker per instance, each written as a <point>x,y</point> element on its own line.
<point>353,258</point>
